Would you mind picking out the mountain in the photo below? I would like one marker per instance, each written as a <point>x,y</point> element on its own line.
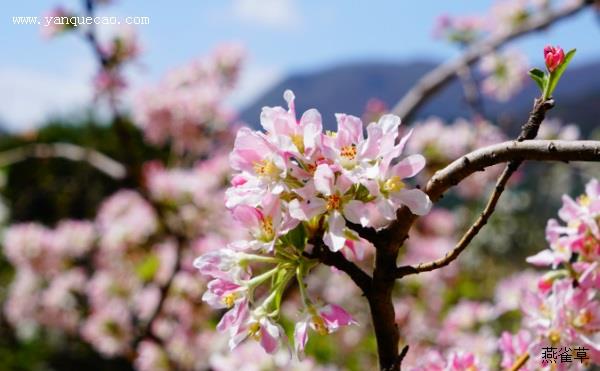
<point>347,88</point>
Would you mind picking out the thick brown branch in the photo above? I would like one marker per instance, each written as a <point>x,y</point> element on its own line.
<point>440,76</point>
<point>67,151</point>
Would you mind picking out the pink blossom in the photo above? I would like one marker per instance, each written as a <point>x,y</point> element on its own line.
<point>323,320</point>
<point>564,317</point>
<point>59,302</point>
<point>125,219</point>
<point>150,357</point>
<point>513,347</point>
<point>51,26</point>
<point>108,329</point>
<point>554,57</point>
<point>505,74</point>
<point>262,329</point>
<point>186,108</point>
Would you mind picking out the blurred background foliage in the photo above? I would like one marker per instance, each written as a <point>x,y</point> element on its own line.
<point>47,190</point>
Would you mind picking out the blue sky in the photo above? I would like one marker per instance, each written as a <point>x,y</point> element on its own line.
<point>39,78</point>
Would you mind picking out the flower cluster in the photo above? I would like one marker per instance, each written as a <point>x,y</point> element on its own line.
<point>102,280</point>
<point>564,310</point>
<point>462,30</point>
<point>114,52</point>
<point>295,191</point>
<point>186,108</point>
<point>504,73</point>
<point>121,49</point>
<point>509,14</point>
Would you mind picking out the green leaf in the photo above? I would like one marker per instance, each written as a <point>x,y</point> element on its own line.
<point>297,237</point>
<point>539,77</point>
<point>280,284</point>
<point>148,267</point>
<point>556,75</point>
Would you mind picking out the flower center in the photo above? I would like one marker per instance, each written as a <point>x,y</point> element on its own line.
<point>267,228</point>
<point>266,168</point>
<point>554,337</point>
<point>229,299</point>
<point>333,202</point>
<point>254,331</point>
<point>584,200</point>
<point>348,152</point>
<point>584,317</point>
<point>394,184</point>
<point>319,324</point>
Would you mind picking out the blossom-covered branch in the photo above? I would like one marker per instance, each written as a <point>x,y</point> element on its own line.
<point>68,151</point>
<point>440,76</point>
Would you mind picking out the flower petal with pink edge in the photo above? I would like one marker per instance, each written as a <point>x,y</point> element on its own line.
<point>334,236</point>
<point>335,317</point>
<point>416,200</point>
<point>304,210</point>
<point>300,336</point>
<point>324,179</point>
<point>542,258</point>
<point>408,167</point>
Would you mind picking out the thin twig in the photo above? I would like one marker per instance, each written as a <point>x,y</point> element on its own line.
<point>442,75</point>
<point>520,362</point>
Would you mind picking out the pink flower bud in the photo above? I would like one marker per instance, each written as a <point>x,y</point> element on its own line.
<point>554,56</point>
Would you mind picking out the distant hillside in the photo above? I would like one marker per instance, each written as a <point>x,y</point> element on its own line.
<point>347,88</point>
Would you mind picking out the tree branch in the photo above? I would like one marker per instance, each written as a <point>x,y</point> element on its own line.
<point>68,151</point>
<point>520,362</point>
<point>442,75</point>
<point>528,131</point>
<point>337,260</point>
<point>532,150</point>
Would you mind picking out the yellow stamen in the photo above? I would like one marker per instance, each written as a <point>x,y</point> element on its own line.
<point>394,184</point>
<point>254,331</point>
<point>319,324</point>
<point>333,202</point>
<point>348,152</point>
<point>584,200</point>
<point>554,337</point>
<point>229,299</point>
<point>267,228</point>
<point>584,317</point>
<point>266,168</point>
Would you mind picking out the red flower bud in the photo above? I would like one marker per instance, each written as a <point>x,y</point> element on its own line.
<point>554,57</point>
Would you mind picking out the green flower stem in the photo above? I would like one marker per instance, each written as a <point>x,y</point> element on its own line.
<point>258,258</point>
<point>262,278</point>
<point>276,293</point>
<point>300,277</point>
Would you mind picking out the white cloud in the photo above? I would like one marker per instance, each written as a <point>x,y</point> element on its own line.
<point>254,81</point>
<point>28,97</point>
<point>272,13</point>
